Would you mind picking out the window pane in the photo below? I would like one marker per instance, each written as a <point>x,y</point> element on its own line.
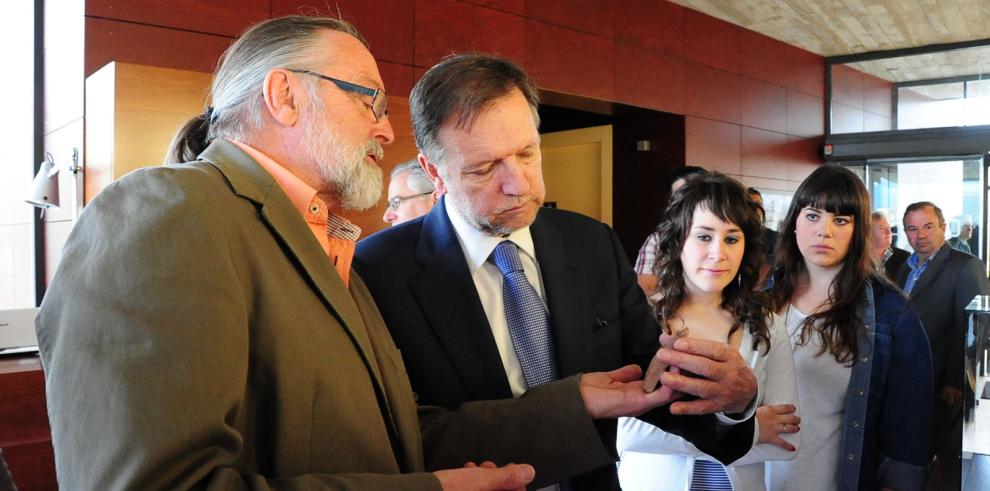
<point>17,272</point>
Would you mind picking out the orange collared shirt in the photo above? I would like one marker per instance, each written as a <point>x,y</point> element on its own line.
<point>336,235</point>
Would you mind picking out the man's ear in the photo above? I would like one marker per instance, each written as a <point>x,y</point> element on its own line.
<point>433,173</point>
<point>281,94</point>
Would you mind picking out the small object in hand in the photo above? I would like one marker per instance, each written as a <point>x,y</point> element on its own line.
<point>652,378</point>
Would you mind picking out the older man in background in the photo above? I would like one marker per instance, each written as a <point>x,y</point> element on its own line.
<point>886,255</point>
<point>410,194</point>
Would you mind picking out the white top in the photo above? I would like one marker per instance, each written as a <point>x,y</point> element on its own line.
<point>652,459</point>
<point>822,384</point>
<point>477,246</point>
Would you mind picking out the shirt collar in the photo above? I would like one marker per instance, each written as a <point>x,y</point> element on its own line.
<point>477,245</point>
<point>302,196</point>
<point>912,260</point>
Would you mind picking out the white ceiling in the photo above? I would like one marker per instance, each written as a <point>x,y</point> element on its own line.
<point>842,27</point>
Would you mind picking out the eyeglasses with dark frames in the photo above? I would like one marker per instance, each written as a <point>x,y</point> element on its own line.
<point>379,102</point>
<point>394,203</point>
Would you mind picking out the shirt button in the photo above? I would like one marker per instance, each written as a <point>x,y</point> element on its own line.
<point>851,457</point>
<point>860,392</point>
<point>866,359</point>
<point>856,424</point>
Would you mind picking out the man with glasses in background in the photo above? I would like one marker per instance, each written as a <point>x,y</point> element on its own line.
<point>410,193</point>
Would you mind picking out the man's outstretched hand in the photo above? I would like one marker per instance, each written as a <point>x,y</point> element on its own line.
<point>620,393</point>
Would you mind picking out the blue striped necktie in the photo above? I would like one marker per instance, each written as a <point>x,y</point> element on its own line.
<point>529,322</point>
<point>709,476</point>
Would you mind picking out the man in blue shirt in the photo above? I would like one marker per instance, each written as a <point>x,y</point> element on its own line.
<point>941,282</point>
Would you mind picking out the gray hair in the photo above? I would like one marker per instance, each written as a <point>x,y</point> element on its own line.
<point>461,87</point>
<point>417,180</point>
<point>291,42</point>
<point>285,42</point>
<point>876,215</point>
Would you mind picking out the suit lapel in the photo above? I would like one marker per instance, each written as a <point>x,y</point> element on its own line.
<point>564,285</point>
<point>253,182</point>
<point>449,300</point>
<point>931,271</point>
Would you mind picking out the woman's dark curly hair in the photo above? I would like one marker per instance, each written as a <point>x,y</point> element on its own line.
<point>836,190</point>
<point>727,199</point>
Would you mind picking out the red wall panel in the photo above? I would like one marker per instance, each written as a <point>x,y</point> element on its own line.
<point>711,41</point>
<point>711,93</point>
<point>110,40</point>
<point>763,153</point>
<point>570,61</point>
<point>449,26</point>
<point>805,115</point>
<point>398,78</point>
<point>657,26</point>
<point>386,24</point>
<point>764,58</point>
<point>714,145</point>
<point>803,157</point>
<point>647,79</point>
<point>806,72</point>
<point>511,6</point>
<point>591,16</point>
<point>762,105</point>
<point>223,17</point>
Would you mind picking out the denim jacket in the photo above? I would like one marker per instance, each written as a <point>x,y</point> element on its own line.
<point>888,409</point>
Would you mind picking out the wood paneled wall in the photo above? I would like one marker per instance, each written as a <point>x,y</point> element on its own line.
<point>753,106</point>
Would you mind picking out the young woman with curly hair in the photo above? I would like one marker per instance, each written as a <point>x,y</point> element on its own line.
<point>708,265</point>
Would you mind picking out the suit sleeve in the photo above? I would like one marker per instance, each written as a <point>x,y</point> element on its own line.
<point>144,340</point>
<point>561,440</point>
<point>640,342</point>
<point>972,281</point>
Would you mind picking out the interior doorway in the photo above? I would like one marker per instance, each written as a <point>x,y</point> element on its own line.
<point>646,145</point>
<point>577,171</point>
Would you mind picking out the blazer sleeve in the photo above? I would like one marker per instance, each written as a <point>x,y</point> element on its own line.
<point>144,340</point>
<point>561,439</point>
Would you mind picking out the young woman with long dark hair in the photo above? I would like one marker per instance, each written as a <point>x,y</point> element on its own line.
<point>862,358</point>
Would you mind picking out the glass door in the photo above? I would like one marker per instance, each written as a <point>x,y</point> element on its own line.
<point>957,186</point>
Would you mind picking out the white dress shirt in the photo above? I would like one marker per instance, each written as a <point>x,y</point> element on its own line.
<point>477,246</point>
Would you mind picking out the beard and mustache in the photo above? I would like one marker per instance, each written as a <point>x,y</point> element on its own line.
<point>340,164</point>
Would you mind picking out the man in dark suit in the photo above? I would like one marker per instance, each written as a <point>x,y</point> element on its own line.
<point>941,282</point>
<point>884,253</point>
<point>448,299</point>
